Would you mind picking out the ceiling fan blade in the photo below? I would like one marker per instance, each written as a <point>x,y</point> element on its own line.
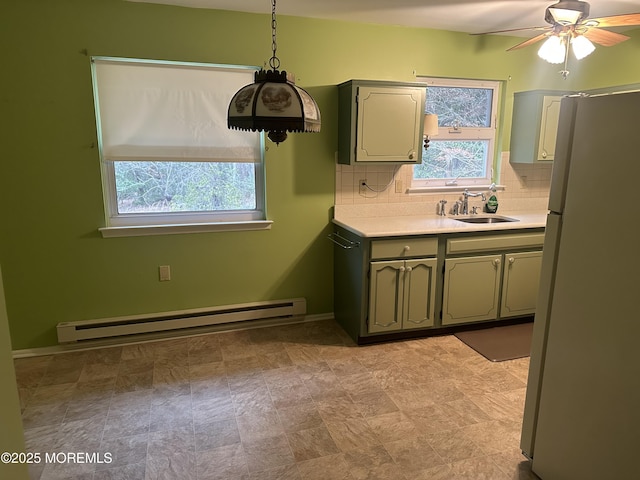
<point>604,37</point>
<point>512,30</point>
<point>615,20</point>
<point>531,41</point>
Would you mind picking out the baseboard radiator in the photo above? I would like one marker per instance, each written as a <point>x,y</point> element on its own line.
<point>184,319</point>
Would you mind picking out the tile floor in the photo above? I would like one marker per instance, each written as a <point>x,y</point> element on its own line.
<point>289,402</point>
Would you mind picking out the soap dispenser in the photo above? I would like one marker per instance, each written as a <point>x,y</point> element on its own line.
<point>492,204</point>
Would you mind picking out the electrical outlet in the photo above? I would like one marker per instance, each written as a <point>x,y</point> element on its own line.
<point>164,272</point>
<point>362,183</point>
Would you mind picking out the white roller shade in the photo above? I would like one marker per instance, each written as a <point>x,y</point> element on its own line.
<point>151,111</point>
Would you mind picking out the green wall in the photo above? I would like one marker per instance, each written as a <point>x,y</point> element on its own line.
<point>58,268</point>
<point>11,433</point>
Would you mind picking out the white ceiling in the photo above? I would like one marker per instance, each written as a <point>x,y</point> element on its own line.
<point>470,16</point>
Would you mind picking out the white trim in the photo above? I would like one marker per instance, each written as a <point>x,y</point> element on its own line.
<point>457,82</point>
<point>152,223</point>
<point>143,230</point>
<point>445,133</point>
<point>453,189</point>
<point>186,218</point>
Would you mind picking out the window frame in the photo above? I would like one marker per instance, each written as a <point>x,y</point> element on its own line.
<point>489,134</point>
<point>157,223</point>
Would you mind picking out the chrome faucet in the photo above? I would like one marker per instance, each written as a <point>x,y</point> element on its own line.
<point>465,202</point>
<point>441,209</point>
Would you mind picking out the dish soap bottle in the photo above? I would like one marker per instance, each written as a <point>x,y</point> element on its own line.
<point>492,204</point>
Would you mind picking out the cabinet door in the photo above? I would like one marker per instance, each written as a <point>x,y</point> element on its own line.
<point>471,289</point>
<point>521,279</point>
<point>534,126</point>
<point>389,123</point>
<point>419,293</point>
<point>385,296</point>
<point>548,127</point>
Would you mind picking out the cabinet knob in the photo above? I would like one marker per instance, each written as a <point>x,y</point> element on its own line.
<point>412,155</point>
<point>496,262</point>
<point>407,248</point>
<point>511,259</point>
<point>401,269</point>
<point>544,154</point>
<point>409,269</point>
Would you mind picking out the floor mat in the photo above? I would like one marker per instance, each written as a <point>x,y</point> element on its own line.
<point>500,343</point>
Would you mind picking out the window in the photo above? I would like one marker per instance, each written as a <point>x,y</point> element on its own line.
<point>168,157</point>
<point>463,151</point>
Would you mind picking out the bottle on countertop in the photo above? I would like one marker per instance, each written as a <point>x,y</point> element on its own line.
<point>492,204</point>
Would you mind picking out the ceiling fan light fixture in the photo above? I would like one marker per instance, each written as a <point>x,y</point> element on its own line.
<point>564,16</point>
<point>553,50</point>
<point>581,46</point>
<point>567,12</point>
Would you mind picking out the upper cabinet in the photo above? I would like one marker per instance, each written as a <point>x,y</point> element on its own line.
<point>534,126</point>
<point>380,122</point>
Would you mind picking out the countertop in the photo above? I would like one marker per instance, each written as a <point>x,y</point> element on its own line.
<point>391,226</point>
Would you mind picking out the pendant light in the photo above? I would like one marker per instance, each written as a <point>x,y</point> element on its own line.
<point>273,103</point>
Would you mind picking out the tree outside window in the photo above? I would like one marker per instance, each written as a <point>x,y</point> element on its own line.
<point>462,153</point>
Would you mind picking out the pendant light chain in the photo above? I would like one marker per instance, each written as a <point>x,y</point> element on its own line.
<point>274,62</point>
<point>565,72</point>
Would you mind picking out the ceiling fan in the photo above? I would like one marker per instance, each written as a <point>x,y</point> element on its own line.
<point>569,25</point>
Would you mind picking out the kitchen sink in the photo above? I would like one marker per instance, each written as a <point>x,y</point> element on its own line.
<point>486,219</point>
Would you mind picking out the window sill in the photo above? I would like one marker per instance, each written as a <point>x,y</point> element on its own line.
<point>144,230</point>
<point>452,188</point>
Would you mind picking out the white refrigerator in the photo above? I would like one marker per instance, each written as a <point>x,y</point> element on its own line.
<point>582,407</point>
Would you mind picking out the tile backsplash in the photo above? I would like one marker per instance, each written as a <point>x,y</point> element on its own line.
<point>526,187</point>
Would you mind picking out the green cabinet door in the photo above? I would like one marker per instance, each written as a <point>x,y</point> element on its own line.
<point>534,126</point>
<point>402,295</point>
<point>419,293</point>
<point>385,296</point>
<point>471,289</point>
<point>548,128</point>
<point>521,278</point>
<point>380,122</point>
<point>389,124</point>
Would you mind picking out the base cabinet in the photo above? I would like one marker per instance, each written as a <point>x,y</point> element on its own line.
<point>474,287</point>
<point>398,287</point>
<point>471,289</point>
<point>401,295</point>
<point>520,281</point>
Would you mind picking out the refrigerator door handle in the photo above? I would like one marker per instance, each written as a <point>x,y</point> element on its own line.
<point>552,236</point>
<point>564,147</point>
